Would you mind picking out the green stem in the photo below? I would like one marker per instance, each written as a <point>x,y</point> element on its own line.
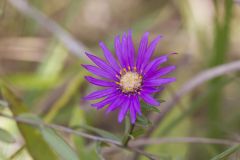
<point>128,131</point>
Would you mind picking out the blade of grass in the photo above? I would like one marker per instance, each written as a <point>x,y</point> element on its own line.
<point>71,89</point>
<point>220,48</point>
<point>226,153</point>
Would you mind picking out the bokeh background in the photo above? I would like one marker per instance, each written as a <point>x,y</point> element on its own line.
<point>49,79</point>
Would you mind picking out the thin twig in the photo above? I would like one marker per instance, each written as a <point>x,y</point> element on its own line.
<point>157,141</point>
<point>199,140</point>
<point>76,47</point>
<point>191,85</point>
<point>141,152</point>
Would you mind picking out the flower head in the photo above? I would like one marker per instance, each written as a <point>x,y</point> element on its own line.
<point>129,79</point>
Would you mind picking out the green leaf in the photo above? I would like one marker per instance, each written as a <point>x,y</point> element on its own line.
<point>226,153</point>
<point>58,144</point>
<point>34,141</point>
<point>100,132</point>
<point>148,108</point>
<point>5,136</point>
<point>98,150</point>
<point>143,121</point>
<point>138,132</point>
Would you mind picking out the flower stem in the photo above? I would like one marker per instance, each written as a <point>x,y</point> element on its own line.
<point>128,131</point>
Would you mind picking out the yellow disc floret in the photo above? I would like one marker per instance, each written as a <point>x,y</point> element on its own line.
<point>130,82</point>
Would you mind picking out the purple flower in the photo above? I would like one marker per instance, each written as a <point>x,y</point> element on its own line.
<point>130,78</point>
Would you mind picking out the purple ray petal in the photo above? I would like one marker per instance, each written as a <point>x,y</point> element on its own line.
<point>132,113</point>
<point>142,49</point>
<point>147,55</point>
<point>136,105</point>
<point>155,64</point>
<point>99,72</point>
<point>151,90</point>
<point>161,72</point>
<point>109,57</point>
<point>124,110</point>
<point>117,103</point>
<point>100,93</point>
<point>124,52</point>
<point>149,99</point>
<point>108,100</point>
<point>118,50</point>
<point>100,63</point>
<point>99,82</point>
<point>158,82</point>
<point>131,49</point>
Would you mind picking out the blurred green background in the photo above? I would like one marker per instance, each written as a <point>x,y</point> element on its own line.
<point>49,80</point>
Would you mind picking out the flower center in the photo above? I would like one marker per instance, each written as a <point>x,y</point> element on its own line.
<point>130,82</point>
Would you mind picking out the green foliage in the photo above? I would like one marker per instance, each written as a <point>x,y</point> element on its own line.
<point>226,153</point>
<point>98,150</point>
<point>5,136</point>
<point>148,108</point>
<point>31,134</point>
<point>69,92</point>
<point>143,121</point>
<point>58,144</point>
<point>138,132</point>
<point>100,132</point>
<point>219,56</point>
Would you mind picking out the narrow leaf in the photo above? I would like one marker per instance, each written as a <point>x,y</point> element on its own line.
<point>58,144</point>
<point>226,153</point>
<point>143,121</point>
<point>148,108</point>
<point>138,132</point>
<point>5,136</point>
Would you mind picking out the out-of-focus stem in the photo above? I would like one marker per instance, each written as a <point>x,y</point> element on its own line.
<point>127,135</point>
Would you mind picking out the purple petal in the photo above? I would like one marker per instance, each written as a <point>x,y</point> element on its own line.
<point>123,110</point>
<point>99,72</point>
<point>124,52</point>
<point>100,63</point>
<point>136,105</point>
<point>149,99</point>
<point>132,114</point>
<point>108,100</point>
<point>161,72</point>
<point>151,90</point>
<point>131,50</point>
<point>158,82</point>
<point>99,82</point>
<point>147,55</point>
<point>100,94</point>
<point>109,57</point>
<point>155,64</point>
<point>117,103</point>
<point>118,50</point>
<point>142,49</point>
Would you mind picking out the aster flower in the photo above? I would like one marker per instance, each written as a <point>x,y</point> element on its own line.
<point>128,78</point>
